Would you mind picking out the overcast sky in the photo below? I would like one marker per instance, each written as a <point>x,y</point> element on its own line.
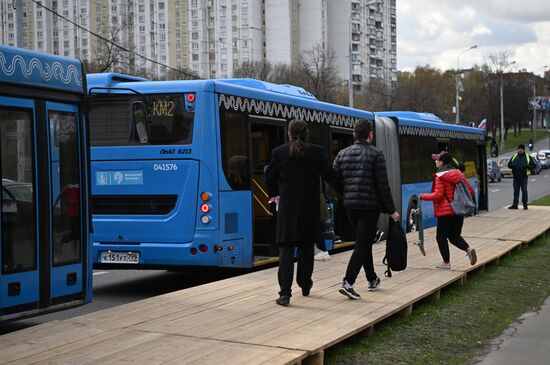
<point>435,32</point>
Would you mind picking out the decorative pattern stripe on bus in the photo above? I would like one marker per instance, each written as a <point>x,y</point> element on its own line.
<point>68,74</point>
<point>410,130</point>
<point>267,108</point>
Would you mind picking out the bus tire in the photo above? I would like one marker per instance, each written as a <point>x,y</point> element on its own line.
<point>411,219</point>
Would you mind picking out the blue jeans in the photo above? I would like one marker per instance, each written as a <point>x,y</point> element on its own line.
<point>520,182</point>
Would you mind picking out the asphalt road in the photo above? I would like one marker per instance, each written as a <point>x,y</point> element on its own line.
<point>116,287</point>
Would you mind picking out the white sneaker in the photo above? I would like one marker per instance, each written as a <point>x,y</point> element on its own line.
<point>322,256</point>
<point>444,266</point>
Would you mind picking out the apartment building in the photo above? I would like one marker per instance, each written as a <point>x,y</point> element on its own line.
<point>211,37</point>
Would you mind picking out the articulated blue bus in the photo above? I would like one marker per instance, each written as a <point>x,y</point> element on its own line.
<point>178,166</point>
<point>44,252</point>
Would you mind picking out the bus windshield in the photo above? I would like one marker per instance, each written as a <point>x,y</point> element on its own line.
<point>114,121</point>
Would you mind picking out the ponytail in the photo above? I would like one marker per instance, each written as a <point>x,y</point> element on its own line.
<point>298,135</point>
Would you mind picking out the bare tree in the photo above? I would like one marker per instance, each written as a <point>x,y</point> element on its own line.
<point>379,95</point>
<point>317,73</point>
<point>260,70</point>
<point>106,56</point>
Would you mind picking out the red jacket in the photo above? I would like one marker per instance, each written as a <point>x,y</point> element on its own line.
<point>443,187</point>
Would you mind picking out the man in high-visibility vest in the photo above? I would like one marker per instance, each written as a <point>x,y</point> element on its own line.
<point>521,165</point>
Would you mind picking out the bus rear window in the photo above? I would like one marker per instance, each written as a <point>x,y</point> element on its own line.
<point>113,122</point>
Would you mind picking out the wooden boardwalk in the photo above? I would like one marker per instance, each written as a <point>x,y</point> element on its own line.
<point>236,321</point>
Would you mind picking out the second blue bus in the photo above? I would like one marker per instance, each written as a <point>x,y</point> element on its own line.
<point>178,166</point>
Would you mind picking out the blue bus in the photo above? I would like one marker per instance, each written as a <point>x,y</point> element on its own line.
<point>44,230</point>
<point>178,166</point>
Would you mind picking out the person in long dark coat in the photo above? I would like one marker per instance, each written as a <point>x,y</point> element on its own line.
<point>293,176</point>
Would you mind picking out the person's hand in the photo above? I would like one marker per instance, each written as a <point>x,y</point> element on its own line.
<point>273,200</point>
<point>395,216</point>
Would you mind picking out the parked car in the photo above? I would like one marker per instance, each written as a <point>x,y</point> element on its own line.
<point>493,171</point>
<point>538,164</point>
<point>503,165</point>
<point>544,157</point>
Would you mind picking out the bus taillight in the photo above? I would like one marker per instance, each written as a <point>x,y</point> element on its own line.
<point>203,248</point>
<point>205,208</point>
<point>193,251</point>
<point>217,248</point>
<point>205,196</point>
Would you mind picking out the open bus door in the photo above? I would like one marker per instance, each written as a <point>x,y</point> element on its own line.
<point>265,135</point>
<point>483,196</point>
<point>341,138</point>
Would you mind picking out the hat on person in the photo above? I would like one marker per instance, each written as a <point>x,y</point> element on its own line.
<point>442,156</point>
<point>437,156</point>
<point>521,147</point>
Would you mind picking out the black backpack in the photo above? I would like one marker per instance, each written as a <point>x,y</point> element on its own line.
<point>396,249</point>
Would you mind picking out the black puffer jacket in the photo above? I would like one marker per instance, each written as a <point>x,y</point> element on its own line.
<point>362,178</point>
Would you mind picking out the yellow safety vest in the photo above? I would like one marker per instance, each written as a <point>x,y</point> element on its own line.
<point>528,161</point>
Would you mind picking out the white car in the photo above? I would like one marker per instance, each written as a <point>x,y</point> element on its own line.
<point>544,157</point>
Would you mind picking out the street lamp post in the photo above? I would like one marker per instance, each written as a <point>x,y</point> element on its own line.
<point>502,143</point>
<point>458,82</point>
<point>534,126</point>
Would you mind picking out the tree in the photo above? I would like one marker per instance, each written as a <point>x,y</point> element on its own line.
<point>379,95</point>
<point>106,56</point>
<point>426,89</point>
<point>260,70</point>
<point>317,73</point>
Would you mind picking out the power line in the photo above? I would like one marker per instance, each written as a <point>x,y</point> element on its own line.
<point>113,43</point>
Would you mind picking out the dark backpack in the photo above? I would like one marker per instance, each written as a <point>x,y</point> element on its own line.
<point>463,203</point>
<point>396,249</point>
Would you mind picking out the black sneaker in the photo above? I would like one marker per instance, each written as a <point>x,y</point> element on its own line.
<point>306,290</point>
<point>525,207</point>
<point>373,284</point>
<point>348,291</point>
<point>378,236</point>
<point>513,207</point>
<point>283,300</point>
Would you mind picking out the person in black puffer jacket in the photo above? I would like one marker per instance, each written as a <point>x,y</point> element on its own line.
<point>362,180</point>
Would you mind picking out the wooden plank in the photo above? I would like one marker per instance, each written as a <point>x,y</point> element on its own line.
<point>136,348</point>
<point>235,321</point>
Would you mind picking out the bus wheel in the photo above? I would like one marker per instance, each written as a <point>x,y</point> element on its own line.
<point>411,217</point>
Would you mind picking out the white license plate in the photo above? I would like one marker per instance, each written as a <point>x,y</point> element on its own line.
<point>111,257</point>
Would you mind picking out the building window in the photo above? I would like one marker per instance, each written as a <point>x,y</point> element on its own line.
<point>195,57</point>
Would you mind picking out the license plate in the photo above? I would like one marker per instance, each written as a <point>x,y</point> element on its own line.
<point>110,257</point>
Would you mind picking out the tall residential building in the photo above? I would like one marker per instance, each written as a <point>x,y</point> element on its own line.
<point>211,37</point>
<point>364,30</point>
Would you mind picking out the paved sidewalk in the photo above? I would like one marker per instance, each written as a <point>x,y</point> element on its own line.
<point>524,342</point>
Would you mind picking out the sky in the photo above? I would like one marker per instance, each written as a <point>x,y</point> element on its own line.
<point>438,33</point>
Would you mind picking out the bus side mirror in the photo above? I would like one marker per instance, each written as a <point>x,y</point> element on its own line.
<point>139,112</point>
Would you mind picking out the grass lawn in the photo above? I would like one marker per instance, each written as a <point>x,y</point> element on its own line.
<point>457,328</point>
<point>542,201</point>
<point>512,141</point>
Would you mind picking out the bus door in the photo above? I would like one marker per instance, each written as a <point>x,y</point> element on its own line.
<point>20,271</point>
<point>341,138</point>
<point>67,252</point>
<point>265,135</point>
<point>483,194</point>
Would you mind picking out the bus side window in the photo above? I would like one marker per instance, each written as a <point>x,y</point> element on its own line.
<point>140,121</point>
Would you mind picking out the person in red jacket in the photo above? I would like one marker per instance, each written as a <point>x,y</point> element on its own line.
<point>449,225</point>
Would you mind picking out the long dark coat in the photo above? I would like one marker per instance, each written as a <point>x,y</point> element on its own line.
<point>296,182</point>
